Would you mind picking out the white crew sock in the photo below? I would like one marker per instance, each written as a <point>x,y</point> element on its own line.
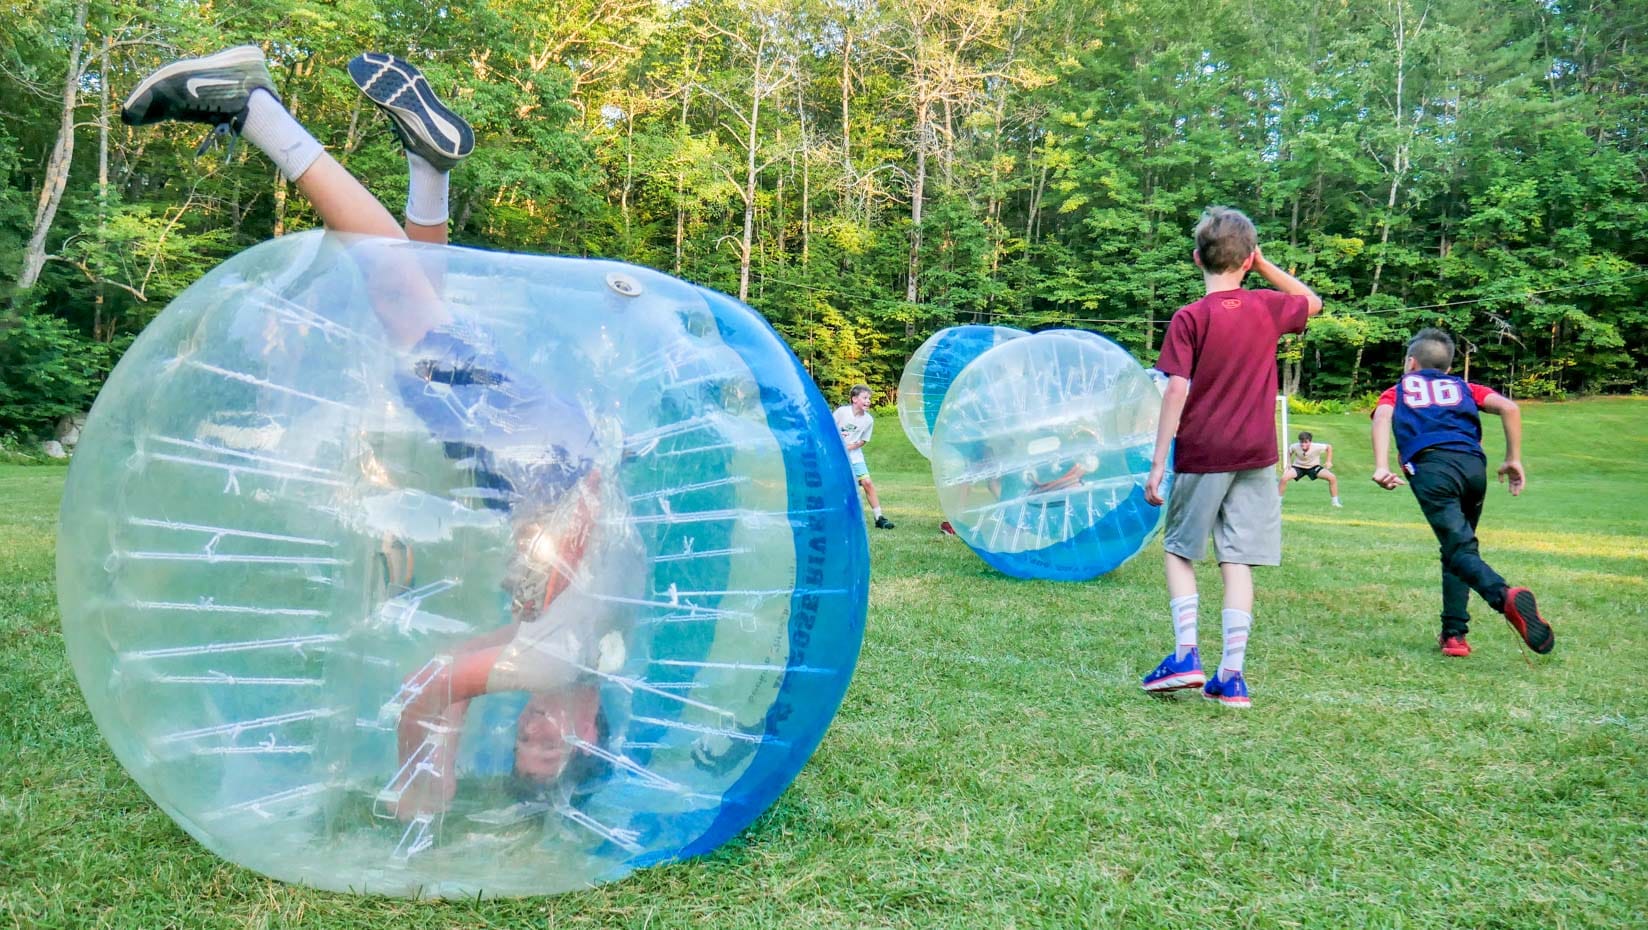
<point>1184,624</point>
<point>426,193</point>
<point>876,511</point>
<point>279,136</point>
<point>1237,623</point>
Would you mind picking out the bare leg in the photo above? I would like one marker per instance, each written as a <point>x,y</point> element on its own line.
<point>870,493</point>
<point>436,235</point>
<point>403,297</point>
<point>344,204</point>
<point>1238,586</point>
<point>1281,486</point>
<point>1181,575</point>
<point>1333,482</point>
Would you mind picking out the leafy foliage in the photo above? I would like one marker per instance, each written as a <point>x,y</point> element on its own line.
<point>1030,162</point>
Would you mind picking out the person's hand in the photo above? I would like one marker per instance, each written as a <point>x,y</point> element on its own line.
<point>1153,485</point>
<point>1512,469</point>
<point>428,776</point>
<point>1387,479</point>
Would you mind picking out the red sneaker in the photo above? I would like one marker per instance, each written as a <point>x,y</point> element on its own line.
<point>947,529</point>
<point>1454,646</point>
<point>1523,614</point>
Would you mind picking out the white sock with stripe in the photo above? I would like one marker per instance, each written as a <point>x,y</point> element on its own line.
<point>1236,623</point>
<point>278,135</point>
<point>1184,624</point>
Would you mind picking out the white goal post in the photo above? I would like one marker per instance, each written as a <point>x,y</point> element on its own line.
<point>1282,406</point>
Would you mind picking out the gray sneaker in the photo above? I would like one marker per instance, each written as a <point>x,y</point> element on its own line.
<point>423,124</point>
<point>212,90</point>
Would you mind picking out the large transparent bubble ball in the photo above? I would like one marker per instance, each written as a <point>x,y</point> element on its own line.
<point>427,571</point>
<point>1041,452</point>
<point>930,371</point>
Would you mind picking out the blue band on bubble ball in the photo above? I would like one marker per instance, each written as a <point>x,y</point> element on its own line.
<point>955,348</point>
<point>1100,548</point>
<point>831,553</point>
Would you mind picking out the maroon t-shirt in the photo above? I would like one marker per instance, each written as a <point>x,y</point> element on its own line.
<point>1225,344</point>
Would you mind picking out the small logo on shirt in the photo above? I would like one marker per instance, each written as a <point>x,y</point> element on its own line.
<point>1230,303</point>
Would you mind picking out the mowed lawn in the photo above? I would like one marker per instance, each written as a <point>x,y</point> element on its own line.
<point>995,764</point>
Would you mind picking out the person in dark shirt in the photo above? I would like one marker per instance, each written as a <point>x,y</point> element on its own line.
<point>1437,418</point>
<point>1220,358</point>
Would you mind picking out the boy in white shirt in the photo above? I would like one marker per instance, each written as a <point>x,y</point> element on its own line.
<point>1305,461</point>
<point>856,425</point>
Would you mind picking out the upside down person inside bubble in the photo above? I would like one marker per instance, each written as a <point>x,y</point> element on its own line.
<point>535,457</point>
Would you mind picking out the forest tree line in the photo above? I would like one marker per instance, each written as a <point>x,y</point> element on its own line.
<point>865,172</point>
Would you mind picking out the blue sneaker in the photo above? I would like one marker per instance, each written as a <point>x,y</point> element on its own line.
<point>1230,693</point>
<point>1175,673</point>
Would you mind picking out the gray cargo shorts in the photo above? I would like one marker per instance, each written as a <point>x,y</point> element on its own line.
<point>1239,509</point>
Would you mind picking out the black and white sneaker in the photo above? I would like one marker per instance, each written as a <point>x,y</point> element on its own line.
<point>423,124</point>
<point>212,90</point>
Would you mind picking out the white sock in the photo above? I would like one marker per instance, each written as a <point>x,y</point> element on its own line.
<point>1184,624</point>
<point>1336,498</point>
<point>877,512</point>
<point>426,200</point>
<point>279,136</point>
<point>1237,623</point>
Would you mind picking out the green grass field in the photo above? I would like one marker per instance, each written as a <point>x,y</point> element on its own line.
<point>995,764</point>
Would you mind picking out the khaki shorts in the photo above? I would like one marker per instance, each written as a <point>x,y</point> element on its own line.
<point>1239,509</point>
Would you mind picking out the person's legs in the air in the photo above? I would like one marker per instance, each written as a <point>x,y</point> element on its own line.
<point>434,137</point>
<point>233,89</point>
<point>232,92</point>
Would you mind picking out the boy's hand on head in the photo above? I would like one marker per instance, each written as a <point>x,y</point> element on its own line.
<point>1387,479</point>
<point>1512,469</point>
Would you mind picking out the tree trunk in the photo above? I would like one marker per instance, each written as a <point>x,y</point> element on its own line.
<point>779,221</point>
<point>102,182</point>
<point>847,179</point>
<point>806,173</point>
<point>949,147</point>
<point>1037,187</point>
<point>681,189</point>
<point>748,245</point>
<point>629,172</point>
<point>57,164</point>
<point>280,205</point>
<point>917,191</point>
<point>1290,376</point>
<point>1399,158</point>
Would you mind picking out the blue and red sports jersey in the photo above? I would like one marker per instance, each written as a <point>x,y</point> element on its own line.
<point>1435,410</point>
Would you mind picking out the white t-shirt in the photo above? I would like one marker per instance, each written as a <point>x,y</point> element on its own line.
<point>1298,457</point>
<point>854,428</point>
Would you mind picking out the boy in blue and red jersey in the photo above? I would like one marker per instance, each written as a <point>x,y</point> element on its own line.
<point>1439,440</point>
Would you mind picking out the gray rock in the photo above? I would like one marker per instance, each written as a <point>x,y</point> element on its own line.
<point>53,449</point>
<point>68,430</point>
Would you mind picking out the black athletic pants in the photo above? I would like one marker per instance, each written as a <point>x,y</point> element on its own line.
<point>1450,486</point>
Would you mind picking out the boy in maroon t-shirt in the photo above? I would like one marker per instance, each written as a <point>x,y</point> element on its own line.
<point>1220,358</point>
